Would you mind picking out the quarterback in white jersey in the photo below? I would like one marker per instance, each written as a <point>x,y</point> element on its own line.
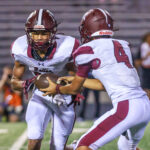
<point>43,51</point>
<point>109,60</point>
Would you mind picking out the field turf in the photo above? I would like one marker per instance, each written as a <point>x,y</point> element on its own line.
<point>10,132</point>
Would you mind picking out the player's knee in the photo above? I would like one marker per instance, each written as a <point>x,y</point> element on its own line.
<point>35,133</point>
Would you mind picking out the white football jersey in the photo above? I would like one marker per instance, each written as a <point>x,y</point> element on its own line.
<point>56,61</point>
<point>115,70</point>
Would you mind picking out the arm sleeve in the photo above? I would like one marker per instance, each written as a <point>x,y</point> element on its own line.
<point>76,45</point>
<point>83,70</point>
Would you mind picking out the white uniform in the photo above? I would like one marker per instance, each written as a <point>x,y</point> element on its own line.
<point>131,106</point>
<point>145,49</point>
<point>41,109</point>
<point>145,72</point>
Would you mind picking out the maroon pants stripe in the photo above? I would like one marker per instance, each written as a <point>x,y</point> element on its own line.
<point>106,125</point>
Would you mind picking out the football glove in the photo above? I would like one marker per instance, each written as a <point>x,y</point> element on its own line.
<point>27,84</point>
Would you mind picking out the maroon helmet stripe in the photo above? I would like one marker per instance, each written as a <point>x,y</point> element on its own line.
<point>106,125</point>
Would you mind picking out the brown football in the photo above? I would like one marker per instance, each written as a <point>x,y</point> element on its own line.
<point>41,82</point>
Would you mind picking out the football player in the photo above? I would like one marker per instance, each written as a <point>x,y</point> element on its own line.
<point>109,60</point>
<point>43,51</point>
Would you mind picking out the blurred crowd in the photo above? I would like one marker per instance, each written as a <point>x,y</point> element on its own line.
<point>142,62</point>
<point>11,107</point>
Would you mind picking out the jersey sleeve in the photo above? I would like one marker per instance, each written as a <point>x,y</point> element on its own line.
<point>14,50</point>
<point>75,47</point>
<point>15,47</point>
<point>18,49</point>
<point>83,70</point>
<point>83,55</point>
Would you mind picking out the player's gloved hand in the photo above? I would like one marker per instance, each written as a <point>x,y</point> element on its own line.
<point>59,100</point>
<point>26,86</point>
<point>64,81</point>
<point>77,99</point>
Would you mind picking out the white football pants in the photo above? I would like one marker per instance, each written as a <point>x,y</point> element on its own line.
<point>38,115</point>
<point>131,114</point>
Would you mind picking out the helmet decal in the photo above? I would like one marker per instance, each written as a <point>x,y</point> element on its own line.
<point>103,32</point>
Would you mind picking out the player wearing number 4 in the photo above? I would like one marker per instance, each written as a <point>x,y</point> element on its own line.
<point>109,61</point>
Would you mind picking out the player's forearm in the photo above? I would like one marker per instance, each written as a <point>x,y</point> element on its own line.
<point>69,89</point>
<point>93,84</point>
<point>17,84</point>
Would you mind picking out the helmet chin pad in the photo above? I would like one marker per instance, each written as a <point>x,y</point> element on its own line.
<point>40,45</point>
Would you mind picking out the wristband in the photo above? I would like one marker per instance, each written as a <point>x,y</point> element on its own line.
<point>57,89</point>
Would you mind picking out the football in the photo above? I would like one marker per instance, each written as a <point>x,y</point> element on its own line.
<point>41,82</point>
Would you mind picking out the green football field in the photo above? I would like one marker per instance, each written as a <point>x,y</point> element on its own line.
<point>10,132</point>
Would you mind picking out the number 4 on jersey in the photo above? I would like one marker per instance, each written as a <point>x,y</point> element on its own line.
<point>120,54</point>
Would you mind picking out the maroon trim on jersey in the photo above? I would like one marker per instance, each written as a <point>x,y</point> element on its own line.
<point>96,63</point>
<point>29,53</point>
<point>106,125</point>
<point>53,51</point>
<point>83,50</point>
<point>83,70</point>
<point>76,45</point>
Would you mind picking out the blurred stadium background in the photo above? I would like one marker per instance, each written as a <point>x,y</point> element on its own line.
<point>131,16</point>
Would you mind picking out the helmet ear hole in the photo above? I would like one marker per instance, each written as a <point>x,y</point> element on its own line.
<point>41,20</point>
